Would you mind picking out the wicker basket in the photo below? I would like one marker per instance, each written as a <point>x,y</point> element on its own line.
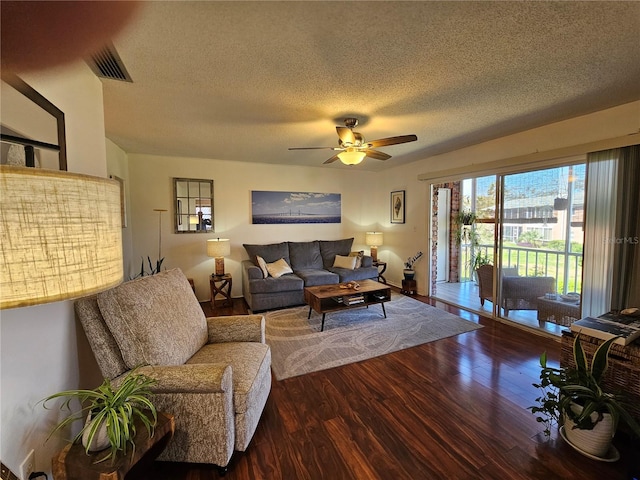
<point>623,374</point>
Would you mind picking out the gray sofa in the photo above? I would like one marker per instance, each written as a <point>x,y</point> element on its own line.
<point>312,264</point>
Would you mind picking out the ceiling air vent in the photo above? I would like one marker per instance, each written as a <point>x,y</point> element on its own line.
<point>106,63</point>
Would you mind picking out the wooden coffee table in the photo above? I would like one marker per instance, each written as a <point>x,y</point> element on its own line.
<point>331,298</point>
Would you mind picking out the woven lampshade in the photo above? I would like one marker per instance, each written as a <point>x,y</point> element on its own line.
<point>373,239</point>
<point>61,236</point>
<point>219,248</point>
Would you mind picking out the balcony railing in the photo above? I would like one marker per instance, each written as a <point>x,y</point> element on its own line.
<point>565,267</point>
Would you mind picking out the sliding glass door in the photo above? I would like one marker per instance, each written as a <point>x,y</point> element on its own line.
<point>540,246</point>
<point>513,245</point>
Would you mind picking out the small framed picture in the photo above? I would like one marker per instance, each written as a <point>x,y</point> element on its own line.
<point>397,206</point>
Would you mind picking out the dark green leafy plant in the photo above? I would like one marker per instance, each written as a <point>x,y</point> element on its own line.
<point>117,406</point>
<point>480,259</point>
<point>562,387</point>
<point>152,270</point>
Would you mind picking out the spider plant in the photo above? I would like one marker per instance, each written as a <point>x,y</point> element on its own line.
<point>116,406</point>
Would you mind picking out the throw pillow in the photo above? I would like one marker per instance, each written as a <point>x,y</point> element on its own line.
<point>345,262</point>
<point>263,266</point>
<point>278,268</point>
<point>358,256</point>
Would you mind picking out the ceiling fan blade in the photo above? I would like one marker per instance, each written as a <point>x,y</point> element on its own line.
<point>314,148</point>
<point>346,135</point>
<point>376,154</point>
<point>385,142</point>
<point>332,159</point>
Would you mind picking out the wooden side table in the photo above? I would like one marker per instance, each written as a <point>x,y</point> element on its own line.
<point>72,463</point>
<point>380,272</point>
<point>409,287</point>
<point>221,285</point>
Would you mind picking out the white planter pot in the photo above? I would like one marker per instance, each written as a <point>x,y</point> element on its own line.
<point>595,442</point>
<point>100,440</point>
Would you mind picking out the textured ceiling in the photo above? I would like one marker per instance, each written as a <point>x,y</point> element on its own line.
<point>244,81</point>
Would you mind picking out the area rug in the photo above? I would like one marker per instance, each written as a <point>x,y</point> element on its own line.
<point>298,347</point>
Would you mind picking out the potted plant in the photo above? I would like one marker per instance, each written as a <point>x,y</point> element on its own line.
<point>408,271</point>
<point>575,397</point>
<point>464,221</point>
<point>110,412</point>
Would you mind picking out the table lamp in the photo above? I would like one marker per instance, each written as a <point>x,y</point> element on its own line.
<point>219,248</point>
<point>374,240</point>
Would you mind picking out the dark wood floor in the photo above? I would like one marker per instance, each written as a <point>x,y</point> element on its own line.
<point>451,409</point>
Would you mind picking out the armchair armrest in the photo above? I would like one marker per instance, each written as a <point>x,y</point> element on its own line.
<point>236,328</point>
<point>201,378</point>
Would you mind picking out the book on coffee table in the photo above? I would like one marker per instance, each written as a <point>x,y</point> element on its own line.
<point>626,329</point>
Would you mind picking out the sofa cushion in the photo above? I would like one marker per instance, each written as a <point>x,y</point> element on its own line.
<point>313,277</point>
<point>305,255</point>
<point>263,266</point>
<point>359,256</point>
<point>155,320</point>
<point>345,262</point>
<point>347,275</point>
<point>270,252</point>
<point>278,268</point>
<point>330,248</point>
<point>286,283</point>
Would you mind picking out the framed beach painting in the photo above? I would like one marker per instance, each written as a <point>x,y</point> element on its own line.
<point>295,207</point>
<point>397,206</point>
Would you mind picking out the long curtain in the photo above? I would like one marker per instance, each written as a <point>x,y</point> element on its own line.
<point>599,226</point>
<point>625,290</point>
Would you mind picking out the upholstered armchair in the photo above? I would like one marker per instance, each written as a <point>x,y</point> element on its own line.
<point>213,374</point>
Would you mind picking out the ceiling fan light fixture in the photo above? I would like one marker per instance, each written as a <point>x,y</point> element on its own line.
<point>351,156</point>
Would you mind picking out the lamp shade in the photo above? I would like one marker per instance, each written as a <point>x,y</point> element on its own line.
<point>61,235</point>
<point>351,156</point>
<point>374,239</point>
<point>218,247</point>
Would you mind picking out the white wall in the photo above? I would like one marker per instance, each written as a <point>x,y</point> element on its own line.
<point>365,198</point>
<point>151,179</point>
<point>43,349</point>
<point>118,165</point>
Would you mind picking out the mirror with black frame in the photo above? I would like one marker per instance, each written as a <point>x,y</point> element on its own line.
<point>193,204</point>
<point>32,128</point>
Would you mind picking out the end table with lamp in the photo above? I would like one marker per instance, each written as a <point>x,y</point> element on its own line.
<point>220,282</point>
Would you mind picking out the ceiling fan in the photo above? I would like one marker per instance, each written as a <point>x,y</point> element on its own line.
<point>354,148</point>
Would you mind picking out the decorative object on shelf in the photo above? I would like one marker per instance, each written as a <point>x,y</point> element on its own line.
<point>397,206</point>
<point>110,412</point>
<point>374,240</point>
<point>47,213</point>
<point>408,271</point>
<point>219,248</point>
<point>575,396</point>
